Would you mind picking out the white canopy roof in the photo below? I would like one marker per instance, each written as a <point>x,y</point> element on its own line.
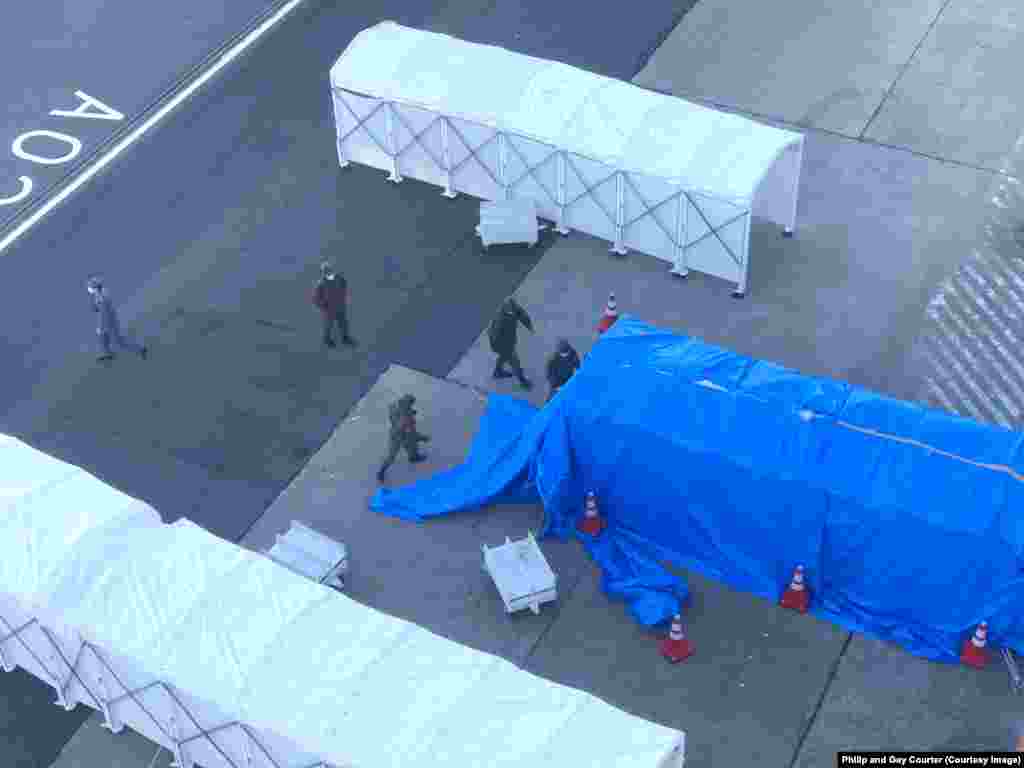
<point>608,120</point>
<point>340,680</point>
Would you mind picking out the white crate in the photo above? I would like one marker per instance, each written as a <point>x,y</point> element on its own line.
<point>521,573</point>
<point>508,221</point>
<point>311,554</point>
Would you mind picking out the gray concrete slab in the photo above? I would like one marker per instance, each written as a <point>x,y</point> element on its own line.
<point>431,574</point>
<point>958,98</point>
<point>826,65</point>
<point>883,698</point>
<point>877,230</point>
<point>745,696</point>
<point>93,746</point>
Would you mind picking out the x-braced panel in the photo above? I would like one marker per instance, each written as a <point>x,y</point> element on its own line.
<point>99,692</point>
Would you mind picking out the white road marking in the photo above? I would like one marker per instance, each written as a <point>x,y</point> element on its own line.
<point>88,173</point>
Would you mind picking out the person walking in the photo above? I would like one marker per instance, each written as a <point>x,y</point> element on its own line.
<point>561,366</point>
<point>402,434</point>
<point>108,326</point>
<point>502,335</point>
<point>331,297</point>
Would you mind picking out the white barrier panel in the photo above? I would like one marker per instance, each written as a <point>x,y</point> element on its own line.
<point>231,661</point>
<point>641,170</point>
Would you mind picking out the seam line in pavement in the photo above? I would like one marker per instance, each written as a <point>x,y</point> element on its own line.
<point>29,214</point>
<point>821,700</point>
<point>722,107</point>
<point>903,69</point>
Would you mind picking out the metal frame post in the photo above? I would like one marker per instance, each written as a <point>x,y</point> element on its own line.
<point>503,165</point>
<point>5,664</point>
<point>181,758</point>
<point>560,226</point>
<point>109,722</point>
<point>55,680</point>
<point>620,216</point>
<point>389,119</point>
<point>788,231</point>
<point>741,286</point>
<point>679,265</point>
<point>446,154</point>
<point>339,140</point>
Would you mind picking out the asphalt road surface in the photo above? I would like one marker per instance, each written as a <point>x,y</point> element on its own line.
<point>209,232</point>
<point>125,55</point>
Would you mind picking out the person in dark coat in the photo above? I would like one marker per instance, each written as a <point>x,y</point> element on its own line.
<point>108,326</point>
<point>331,298</point>
<point>502,334</point>
<point>561,366</point>
<point>403,434</point>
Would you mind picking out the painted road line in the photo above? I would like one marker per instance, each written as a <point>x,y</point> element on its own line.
<point>87,173</point>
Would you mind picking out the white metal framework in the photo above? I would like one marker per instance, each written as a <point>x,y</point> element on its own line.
<point>230,660</point>
<point>686,211</point>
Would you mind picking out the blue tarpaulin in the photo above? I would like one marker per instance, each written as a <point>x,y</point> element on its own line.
<point>908,521</point>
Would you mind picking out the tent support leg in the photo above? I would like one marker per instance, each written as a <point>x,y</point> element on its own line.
<point>109,722</point>
<point>618,247</point>
<point>788,231</point>
<point>679,266</point>
<point>560,227</point>
<point>389,115</point>
<point>5,664</point>
<point>181,758</point>
<point>56,682</point>
<point>741,287</point>
<point>447,155</point>
<point>506,193</point>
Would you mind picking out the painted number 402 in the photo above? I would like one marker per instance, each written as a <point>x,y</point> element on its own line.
<point>89,108</point>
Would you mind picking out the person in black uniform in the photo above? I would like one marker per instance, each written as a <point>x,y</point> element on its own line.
<point>561,366</point>
<point>331,297</point>
<point>502,335</point>
<point>403,434</point>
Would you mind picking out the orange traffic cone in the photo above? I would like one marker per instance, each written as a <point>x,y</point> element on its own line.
<point>611,314</point>
<point>796,597</point>
<point>676,647</point>
<point>973,653</point>
<point>591,523</point>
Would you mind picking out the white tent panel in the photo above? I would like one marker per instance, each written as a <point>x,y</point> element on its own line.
<point>488,103</point>
<point>185,638</point>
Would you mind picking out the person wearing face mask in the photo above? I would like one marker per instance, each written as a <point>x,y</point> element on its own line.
<point>502,335</point>
<point>331,297</point>
<point>561,366</point>
<point>108,326</point>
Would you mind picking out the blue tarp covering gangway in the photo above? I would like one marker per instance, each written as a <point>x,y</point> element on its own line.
<point>908,521</point>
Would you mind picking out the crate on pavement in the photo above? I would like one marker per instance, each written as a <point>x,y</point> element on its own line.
<point>521,573</point>
<point>311,554</point>
<point>508,221</point>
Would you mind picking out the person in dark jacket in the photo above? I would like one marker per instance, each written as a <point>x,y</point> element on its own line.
<point>561,366</point>
<point>108,326</point>
<point>403,434</point>
<point>331,298</point>
<point>502,335</point>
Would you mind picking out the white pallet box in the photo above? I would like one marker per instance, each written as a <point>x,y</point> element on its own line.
<point>508,221</point>
<point>521,573</point>
<point>310,553</point>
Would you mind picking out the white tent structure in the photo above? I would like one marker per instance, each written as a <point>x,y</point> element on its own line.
<point>642,170</point>
<point>232,661</point>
